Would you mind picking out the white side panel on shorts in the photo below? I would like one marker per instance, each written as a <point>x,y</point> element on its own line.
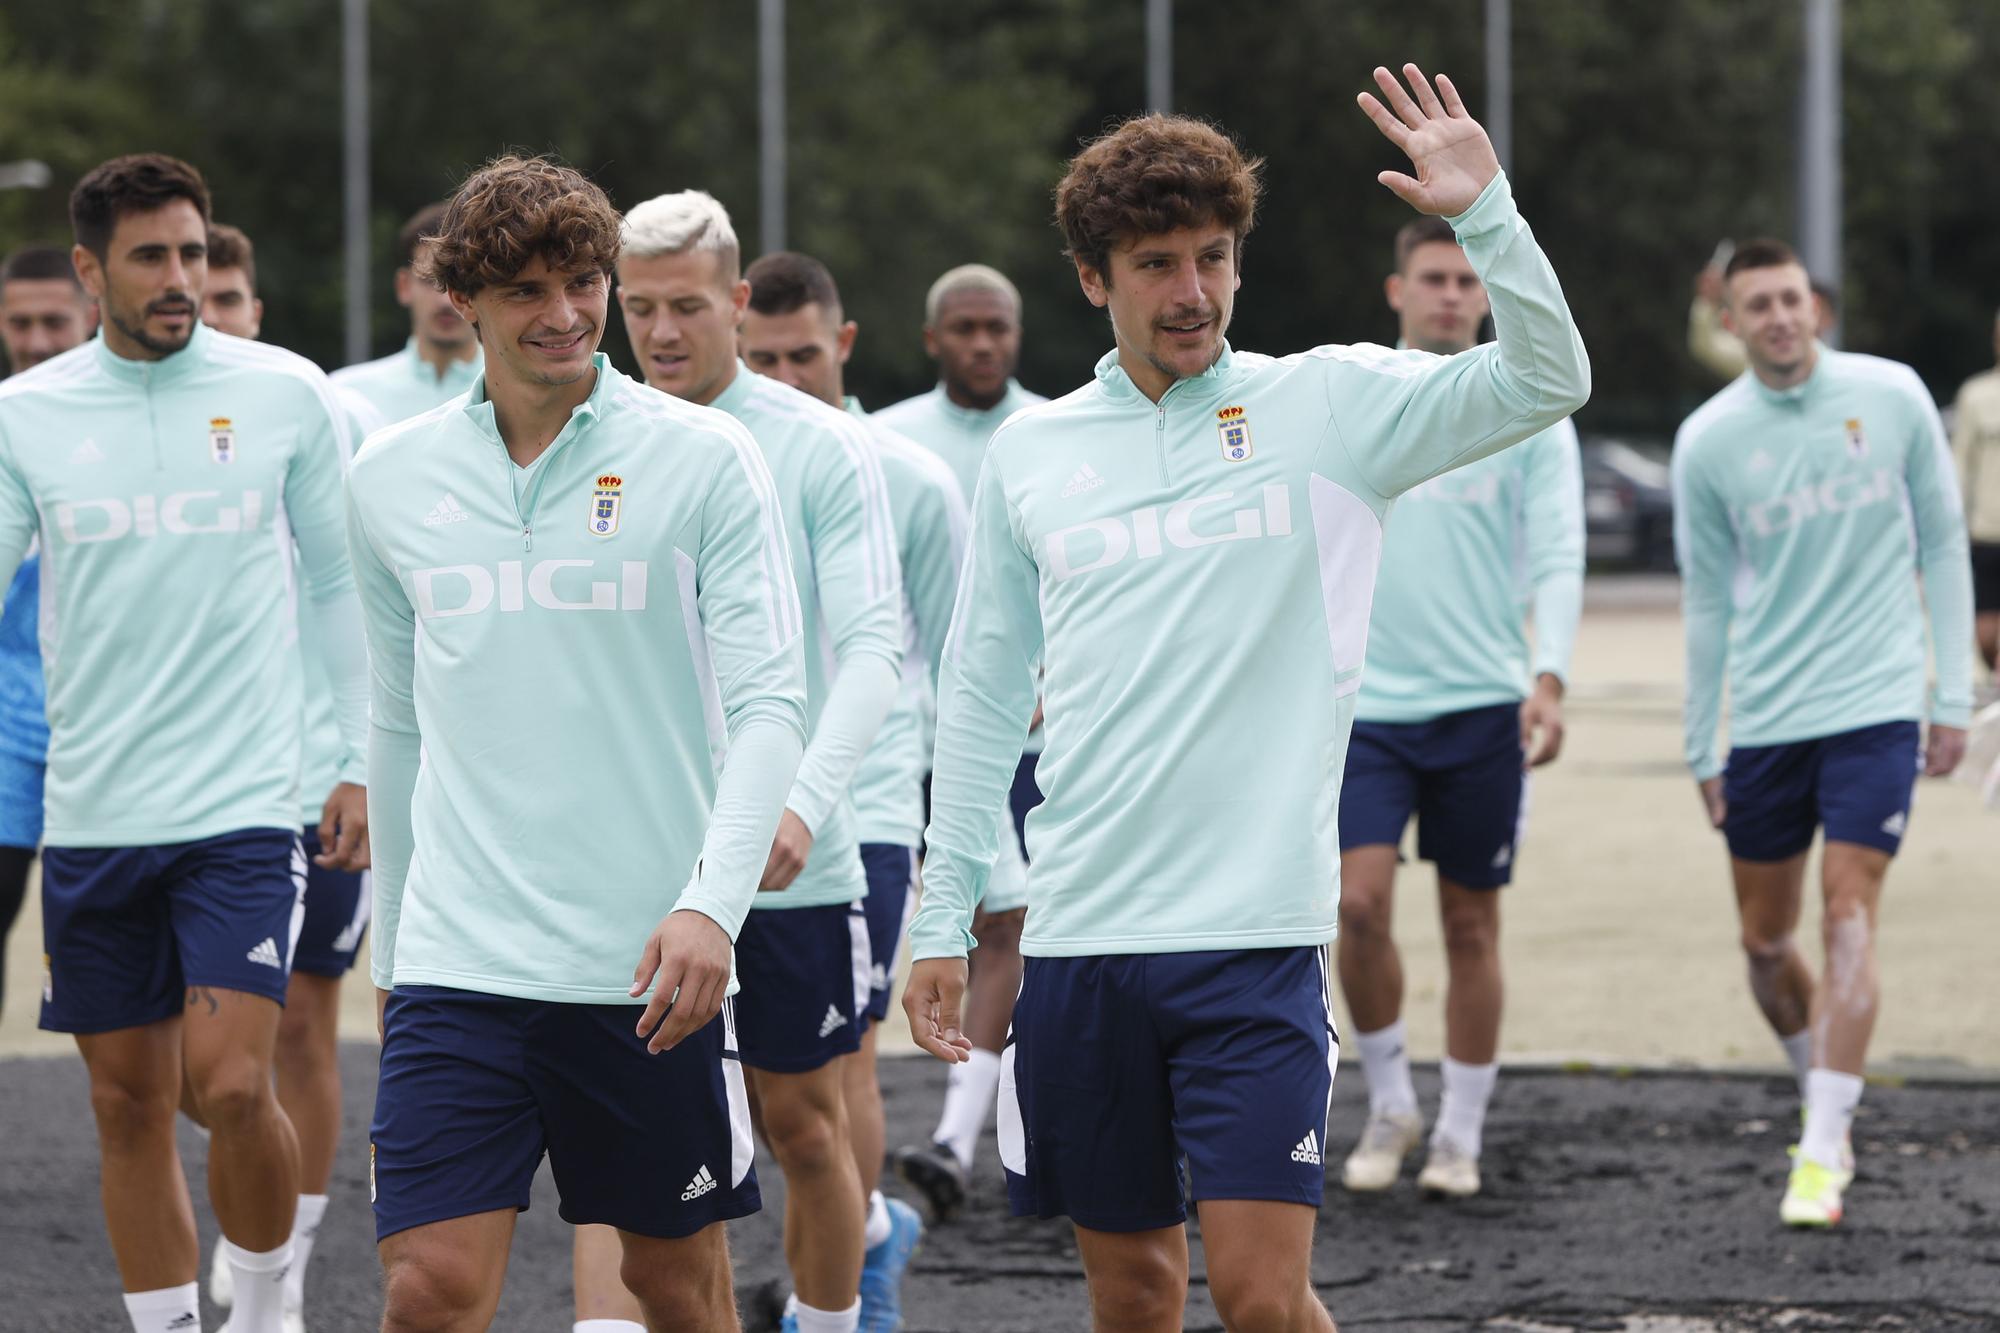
<point>1350,551</point>
<point>364,906</point>
<point>1332,1035</point>
<point>742,1144</point>
<point>1007,1120</point>
<point>862,959</point>
<point>299,871</point>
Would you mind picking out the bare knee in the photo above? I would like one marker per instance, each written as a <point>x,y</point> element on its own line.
<point>1765,950</point>
<point>1143,1289</point>
<point>804,1134</point>
<point>1364,911</point>
<point>128,1112</point>
<point>232,1094</point>
<point>682,1294</point>
<point>430,1291</point>
<point>1249,1305</point>
<point>1472,932</point>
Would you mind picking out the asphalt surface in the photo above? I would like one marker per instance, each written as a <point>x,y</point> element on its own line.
<point>1643,1203</point>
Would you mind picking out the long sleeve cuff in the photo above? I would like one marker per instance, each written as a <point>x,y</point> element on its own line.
<point>393,760</point>
<point>749,800</point>
<point>864,690</point>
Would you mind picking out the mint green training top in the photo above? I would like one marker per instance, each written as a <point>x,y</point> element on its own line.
<point>1803,519</point>
<point>1196,577</point>
<point>168,496</point>
<point>402,384</point>
<point>588,695</point>
<point>958,435</point>
<point>1461,556</point>
<point>843,543</point>
<point>929,512</point>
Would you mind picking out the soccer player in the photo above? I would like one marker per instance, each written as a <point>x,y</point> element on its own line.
<point>795,331</point>
<point>1809,497</point>
<point>442,358</point>
<point>1975,442</point>
<point>804,950</point>
<point>168,471</point>
<point>1204,607</point>
<point>44,312</point>
<point>972,329</point>
<point>588,707</point>
<point>337,900</point>
<point>1444,727</point>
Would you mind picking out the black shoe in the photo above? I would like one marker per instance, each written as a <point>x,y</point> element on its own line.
<point>933,1171</point>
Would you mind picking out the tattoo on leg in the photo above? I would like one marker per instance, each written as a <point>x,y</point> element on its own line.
<point>203,995</point>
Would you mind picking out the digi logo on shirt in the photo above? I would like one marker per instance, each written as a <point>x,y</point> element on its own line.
<point>1147,533</point>
<point>514,585</point>
<point>1835,495</point>
<point>183,513</point>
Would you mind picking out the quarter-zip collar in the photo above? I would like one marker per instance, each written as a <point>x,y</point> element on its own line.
<point>1115,384</point>
<point>170,369</point>
<point>1799,394</point>
<point>737,396</point>
<point>478,409</point>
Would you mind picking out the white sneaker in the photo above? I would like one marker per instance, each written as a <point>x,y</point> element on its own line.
<point>1378,1159</point>
<point>221,1279</point>
<point>1450,1171</point>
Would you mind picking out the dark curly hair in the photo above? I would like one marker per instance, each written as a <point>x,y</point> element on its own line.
<point>1152,174</point>
<point>137,183</point>
<point>511,210</point>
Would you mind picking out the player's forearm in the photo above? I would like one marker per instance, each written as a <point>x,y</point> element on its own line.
<point>1947,575</point>
<point>343,648</point>
<point>863,691</point>
<point>1558,609</point>
<point>393,759</point>
<point>1707,631</point>
<point>979,742</point>
<point>749,799</point>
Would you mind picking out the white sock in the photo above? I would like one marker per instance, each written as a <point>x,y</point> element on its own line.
<point>968,1100</point>
<point>825,1321</point>
<point>1798,1049</point>
<point>1462,1109</point>
<point>877,1229</point>
<point>1830,1101</point>
<point>607,1326</point>
<point>260,1284</point>
<point>305,1229</point>
<point>1385,1063</point>
<point>168,1310</point>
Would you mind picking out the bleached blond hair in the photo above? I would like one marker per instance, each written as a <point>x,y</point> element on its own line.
<point>671,224</point>
<point>969,278</point>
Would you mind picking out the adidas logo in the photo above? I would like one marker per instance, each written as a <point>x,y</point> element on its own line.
<point>1503,856</point>
<point>878,977</point>
<point>188,1320</point>
<point>1895,824</point>
<point>702,1183</point>
<point>445,511</point>
<point>87,452</point>
<point>832,1022</point>
<point>267,954</point>
<point>1083,479</point>
<point>1308,1149</point>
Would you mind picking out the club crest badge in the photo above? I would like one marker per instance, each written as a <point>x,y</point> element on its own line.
<point>1857,443</point>
<point>1234,427</point>
<point>604,505</point>
<point>221,440</point>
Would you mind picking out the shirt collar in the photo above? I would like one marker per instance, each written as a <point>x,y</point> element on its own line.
<point>479,408</point>
<point>168,369</point>
<point>736,397</point>
<point>980,416</point>
<point>1804,389</point>
<point>458,374</point>
<point>1116,384</point>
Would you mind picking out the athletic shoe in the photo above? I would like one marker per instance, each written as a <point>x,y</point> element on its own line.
<point>933,1170</point>
<point>882,1270</point>
<point>1450,1171</point>
<point>1378,1159</point>
<point>221,1280</point>
<point>1812,1195</point>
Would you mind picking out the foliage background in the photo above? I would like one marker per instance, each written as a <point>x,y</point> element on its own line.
<point>925,134</point>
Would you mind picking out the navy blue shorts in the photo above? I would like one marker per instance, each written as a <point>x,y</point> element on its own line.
<point>804,973</point>
<point>1024,796</point>
<point>1121,1066</point>
<point>1856,784</point>
<point>337,905</point>
<point>476,1088</point>
<point>892,876</point>
<point>1459,774</point>
<point>128,930</point>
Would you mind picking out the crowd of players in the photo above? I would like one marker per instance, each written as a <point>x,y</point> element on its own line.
<point>722,626</point>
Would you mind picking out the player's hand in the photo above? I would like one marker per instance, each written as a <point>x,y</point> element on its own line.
<point>381,1008</point>
<point>789,851</point>
<point>686,962</point>
<point>1945,748</point>
<point>1450,151</point>
<point>1542,722</point>
<point>343,829</point>
<point>1712,802</point>
<point>932,1000</point>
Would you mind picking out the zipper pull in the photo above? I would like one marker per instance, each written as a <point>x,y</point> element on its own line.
<point>1160,417</point>
<point>527,537</point>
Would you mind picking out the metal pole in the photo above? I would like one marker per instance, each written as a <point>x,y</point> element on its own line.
<point>1819,146</point>
<point>771,122</point>
<point>354,161</point>
<point>1160,55</point>
<point>1500,80</point>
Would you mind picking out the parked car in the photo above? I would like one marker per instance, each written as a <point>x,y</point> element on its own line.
<point>1628,503</point>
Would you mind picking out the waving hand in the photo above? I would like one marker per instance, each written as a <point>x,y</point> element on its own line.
<point>1453,158</point>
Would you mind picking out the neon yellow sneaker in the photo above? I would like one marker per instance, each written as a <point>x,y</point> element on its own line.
<point>1812,1195</point>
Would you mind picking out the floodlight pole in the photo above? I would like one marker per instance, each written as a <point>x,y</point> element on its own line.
<point>1819,198</point>
<point>1500,80</point>
<point>1160,55</point>
<point>771,123</point>
<point>354,163</point>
